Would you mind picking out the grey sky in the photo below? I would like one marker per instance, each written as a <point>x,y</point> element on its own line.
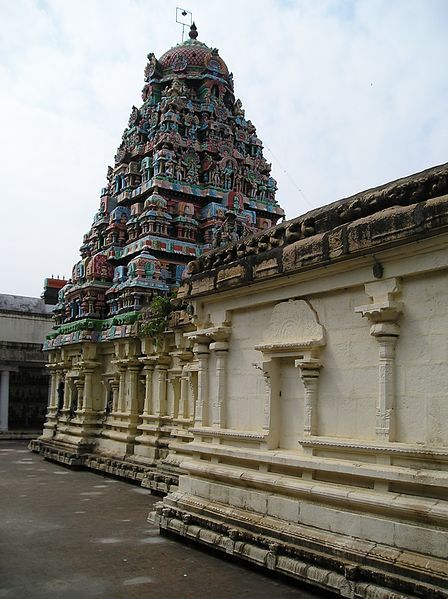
<point>345,95</point>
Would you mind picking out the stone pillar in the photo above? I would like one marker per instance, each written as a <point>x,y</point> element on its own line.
<point>192,394</point>
<point>160,395</point>
<point>68,385</point>
<point>87,403</point>
<point>64,388</point>
<point>272,402</point>
<point>115,390</point>
<point>4,400</point>
<point>147,405</point>
<point>53,393</point>
<point>386,334</point>
<point>309,373</point>
<point>60,391</point>
<point>79,384</point>
<point>183,400</point>
<point>133,388</point>
<point>219,404</point>
<point>201,350</point>
<point>105,383</point>
<point>122,389</point>
<point>51,416</point>
<point>383,313</point>
<point>174,379</point>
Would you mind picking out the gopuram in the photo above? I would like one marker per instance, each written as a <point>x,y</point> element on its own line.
<point>189,176</point>
<point>289,397</point>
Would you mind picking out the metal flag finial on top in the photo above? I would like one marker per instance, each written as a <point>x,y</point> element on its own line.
<point>184,18</point>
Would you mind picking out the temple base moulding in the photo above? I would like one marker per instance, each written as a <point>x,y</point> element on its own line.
<point>159,479</point>
<point>344,565</point>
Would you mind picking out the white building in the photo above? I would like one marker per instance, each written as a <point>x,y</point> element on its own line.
<point>24,323</point>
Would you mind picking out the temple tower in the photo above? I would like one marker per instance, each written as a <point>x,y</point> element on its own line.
<point>189,175</point>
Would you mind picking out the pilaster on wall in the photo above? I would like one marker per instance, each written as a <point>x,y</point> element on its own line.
<point>220,348</point>
<point>212,339</point>
<point>73,417</point>
<point>183,410</point>
<point>383,313</point>
<point>78,405</point>
<point>160,396</point>
<point>154,363</point>
<point>201,352</point>
<point>52,410</point>
<point>309,366</point>
<point>148,372</point>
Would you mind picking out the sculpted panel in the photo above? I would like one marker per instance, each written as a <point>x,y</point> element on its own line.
<point>294,322</point>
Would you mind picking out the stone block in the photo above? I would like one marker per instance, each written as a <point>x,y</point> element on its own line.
<point>232,275</point>
<point>202,285</point>
<point>283,507</point>
<point>219,493</point>
<point>330,519</point>
<point>236,497</point>
<point>200,488</point>
<point>256,502</point>
<point>266,268</point>
<point>418,538</point>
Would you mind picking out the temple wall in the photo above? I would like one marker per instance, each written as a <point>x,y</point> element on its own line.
<point>245,382</point>
<point>422,352</point>
<point>334,413</point>
<point>348,382</point>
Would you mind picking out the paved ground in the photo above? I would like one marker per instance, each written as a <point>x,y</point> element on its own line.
<point>77,535</point>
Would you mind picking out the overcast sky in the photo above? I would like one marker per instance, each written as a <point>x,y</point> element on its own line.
<point>345,95</point>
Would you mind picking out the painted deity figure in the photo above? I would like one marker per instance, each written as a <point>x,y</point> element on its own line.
<point>238,108</point>
<point>149,270</point>
<point>131,270</point>
<point>228,176</point>
<point>169,171</point>
<point>239,182</point>
<point>216,176</point>
<point>192,174</point>
<point>180,171</point>
<point>192,131</point>
<point>176,89</point>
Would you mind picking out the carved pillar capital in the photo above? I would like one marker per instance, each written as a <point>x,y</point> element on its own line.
<point>219,346</point>
<point>200,349</point>
<point>385,305</point>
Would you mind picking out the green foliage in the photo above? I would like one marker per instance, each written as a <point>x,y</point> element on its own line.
<point>159,310</point>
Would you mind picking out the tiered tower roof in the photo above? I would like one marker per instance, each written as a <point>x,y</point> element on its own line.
<point>189,175</point>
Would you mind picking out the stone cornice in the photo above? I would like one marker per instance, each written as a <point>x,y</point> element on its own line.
<point>357,446</point>
<point>405,210</point>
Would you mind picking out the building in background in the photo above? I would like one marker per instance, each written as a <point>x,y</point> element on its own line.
<point>24,324</point>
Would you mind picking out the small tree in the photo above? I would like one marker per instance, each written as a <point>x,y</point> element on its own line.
<point>157,320</point>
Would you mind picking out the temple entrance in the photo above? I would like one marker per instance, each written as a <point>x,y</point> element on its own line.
<point>291,405</point>
<point>28,397</point>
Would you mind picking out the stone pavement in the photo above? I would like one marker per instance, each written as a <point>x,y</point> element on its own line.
<point>74,534</point>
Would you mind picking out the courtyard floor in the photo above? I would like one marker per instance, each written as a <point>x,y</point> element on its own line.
<point>74,534</point>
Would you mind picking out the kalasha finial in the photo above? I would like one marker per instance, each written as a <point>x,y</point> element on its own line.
<point>193,33</point>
